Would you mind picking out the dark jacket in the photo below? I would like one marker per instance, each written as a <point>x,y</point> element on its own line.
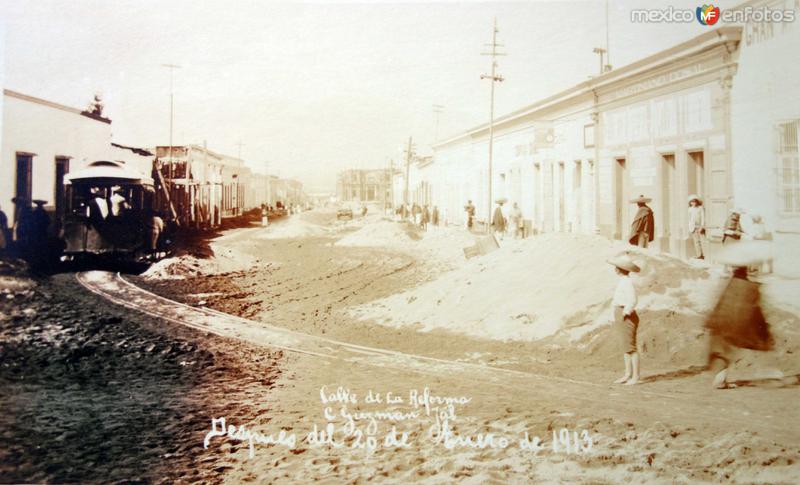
<point>643,222</point>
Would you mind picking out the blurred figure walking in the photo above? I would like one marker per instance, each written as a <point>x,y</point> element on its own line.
<point>737,320</point>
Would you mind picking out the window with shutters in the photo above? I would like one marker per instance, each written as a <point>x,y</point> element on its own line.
<point>789,167</point>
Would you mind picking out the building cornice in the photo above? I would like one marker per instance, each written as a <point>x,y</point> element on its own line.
<point>723,36</point>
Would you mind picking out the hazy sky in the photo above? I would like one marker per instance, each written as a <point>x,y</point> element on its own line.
<point>311,88</point>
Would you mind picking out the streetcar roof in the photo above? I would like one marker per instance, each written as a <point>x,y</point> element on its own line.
<point>104,172</point>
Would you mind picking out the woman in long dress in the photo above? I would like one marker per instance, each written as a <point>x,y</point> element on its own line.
<point>736,322</point>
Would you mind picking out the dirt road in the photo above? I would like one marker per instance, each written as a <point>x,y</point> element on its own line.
<point>306,285</point>
<point>280,342</point>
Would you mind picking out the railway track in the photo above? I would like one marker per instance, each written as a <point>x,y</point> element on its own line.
<point>599,399</point>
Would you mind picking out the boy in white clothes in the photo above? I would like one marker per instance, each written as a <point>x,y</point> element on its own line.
<point>626,321</point>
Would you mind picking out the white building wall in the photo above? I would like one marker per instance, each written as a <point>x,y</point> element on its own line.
<point>516,155</point>
<point>765,94</point>
<point>4,202</point>
<point>48,131</point>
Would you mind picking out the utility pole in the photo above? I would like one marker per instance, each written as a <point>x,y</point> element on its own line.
<point>240,145</point>
<point>602,52</point>
<point>268,187</point>
<point>493,77</point>
<point>408,167</point>
<point>607,66</point>
<point>391,183</point>
<point>171,68</point>
<point>437,110</point>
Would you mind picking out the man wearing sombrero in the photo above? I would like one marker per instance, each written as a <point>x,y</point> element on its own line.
<point>626,321</point>
<point>643,226</point>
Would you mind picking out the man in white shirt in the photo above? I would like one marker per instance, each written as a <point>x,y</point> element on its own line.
<point>626,320</point>
<point>98,209</point>
<point>697,223</point>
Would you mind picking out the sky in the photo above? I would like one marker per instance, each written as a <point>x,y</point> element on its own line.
<point>309,89</point>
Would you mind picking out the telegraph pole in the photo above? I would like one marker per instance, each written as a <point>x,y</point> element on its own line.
<point>171,68</point>
<point>602,52</point>
<point>607,66</point>
<point>437,110</point>
<point>240,145</point>
<point>408,167</point>
<point>493,77</point>
<point>391,183</point>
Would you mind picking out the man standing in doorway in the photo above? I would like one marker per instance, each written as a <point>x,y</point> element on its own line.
<point>697,224</point>
<point>643,226</point>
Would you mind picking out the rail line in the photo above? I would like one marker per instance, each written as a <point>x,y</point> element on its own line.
<point>622,402</point>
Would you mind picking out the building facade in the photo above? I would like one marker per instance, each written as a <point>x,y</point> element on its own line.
<point>364,185</point>
<point>664,132</point>
<point>41,142</point>
<point>288,192</point>
<point>660,127</point>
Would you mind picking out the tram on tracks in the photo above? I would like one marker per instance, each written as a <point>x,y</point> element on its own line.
<point>110,211</point>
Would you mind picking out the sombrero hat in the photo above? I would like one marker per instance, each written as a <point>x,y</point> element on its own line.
<point>744,253</point>
<point>641,199</point>
<point>695,197</point>
<point>624,262</point>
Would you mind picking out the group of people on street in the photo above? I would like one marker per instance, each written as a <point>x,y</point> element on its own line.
<point>420,215</point>
<point>643,225</point>
<point>503,222</point>
<point>736,321</point>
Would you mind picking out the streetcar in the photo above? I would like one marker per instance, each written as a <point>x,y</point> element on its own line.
<point>109,211</point>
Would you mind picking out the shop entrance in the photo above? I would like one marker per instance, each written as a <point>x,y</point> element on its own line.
<point>695,174</point>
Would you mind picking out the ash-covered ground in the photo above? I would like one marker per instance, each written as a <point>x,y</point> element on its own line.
<point>99,393</point>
